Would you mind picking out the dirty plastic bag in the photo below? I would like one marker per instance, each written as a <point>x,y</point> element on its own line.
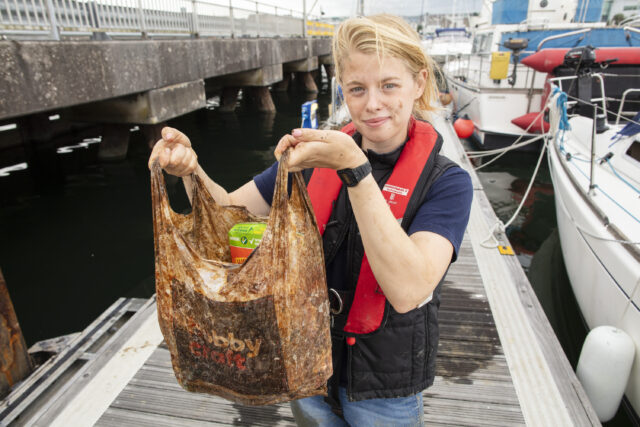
<point>256,333</point>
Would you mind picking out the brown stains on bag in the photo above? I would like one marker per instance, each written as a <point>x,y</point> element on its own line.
<point>256,333</point>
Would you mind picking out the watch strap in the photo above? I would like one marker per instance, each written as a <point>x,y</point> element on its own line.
<point>351,177</point>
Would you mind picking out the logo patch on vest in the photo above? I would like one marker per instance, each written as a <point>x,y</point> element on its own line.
<point>395,189</point>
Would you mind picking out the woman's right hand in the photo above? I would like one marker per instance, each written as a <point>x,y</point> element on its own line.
<point>174,153</point>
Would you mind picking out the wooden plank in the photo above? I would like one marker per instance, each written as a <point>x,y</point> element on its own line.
<point>550,392</point>
<point>115,417</point>
<point>199,407</point>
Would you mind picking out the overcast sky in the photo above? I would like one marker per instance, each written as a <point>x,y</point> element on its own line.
<point>399,7</point>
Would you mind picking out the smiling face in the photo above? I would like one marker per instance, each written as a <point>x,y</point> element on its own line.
<point>380,97</point>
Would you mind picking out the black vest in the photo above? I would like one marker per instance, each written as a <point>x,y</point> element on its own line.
<point>398,359</point>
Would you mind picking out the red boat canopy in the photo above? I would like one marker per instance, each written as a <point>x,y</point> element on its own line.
<point>548,59</point>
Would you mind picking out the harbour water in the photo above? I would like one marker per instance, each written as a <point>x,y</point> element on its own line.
<point>77,231</point>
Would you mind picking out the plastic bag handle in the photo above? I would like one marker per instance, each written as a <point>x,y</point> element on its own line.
<point>280,195</point>
<point>159,188</point>
<point>159,196</point>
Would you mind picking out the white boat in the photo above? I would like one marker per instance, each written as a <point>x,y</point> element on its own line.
<point>446,42</point>
<point>501,95</point>
<point>596,179</point>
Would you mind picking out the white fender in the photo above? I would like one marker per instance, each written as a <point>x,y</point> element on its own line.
<point>604,367</point>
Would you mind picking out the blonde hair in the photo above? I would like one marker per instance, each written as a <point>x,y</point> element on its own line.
<point>388,35</point>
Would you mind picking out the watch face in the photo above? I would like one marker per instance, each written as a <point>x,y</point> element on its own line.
<point>347,178</point>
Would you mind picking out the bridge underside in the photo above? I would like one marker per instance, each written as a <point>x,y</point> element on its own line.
<point>144,81</point>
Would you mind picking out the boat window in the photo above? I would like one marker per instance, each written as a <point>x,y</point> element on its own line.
<point>486,43</point>
<point>481,43</point>
<point>476,44</point>
<point>634,150</point>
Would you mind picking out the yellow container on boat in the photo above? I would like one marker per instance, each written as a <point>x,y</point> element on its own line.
<point>499,65</point>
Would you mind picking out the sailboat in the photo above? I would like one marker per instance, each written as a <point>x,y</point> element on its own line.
<point>594,160</point>
<point>495,87</point>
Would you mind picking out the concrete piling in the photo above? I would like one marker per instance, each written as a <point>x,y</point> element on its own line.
<point>283,85</point>
<point>330,70</point>
<point>307,81</point>
<point>261,98</point>
<point>228,99</point>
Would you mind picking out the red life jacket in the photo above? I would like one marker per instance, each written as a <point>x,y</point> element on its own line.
<point>368,307</point>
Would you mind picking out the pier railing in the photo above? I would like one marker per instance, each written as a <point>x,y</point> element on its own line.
<point>51,19</point>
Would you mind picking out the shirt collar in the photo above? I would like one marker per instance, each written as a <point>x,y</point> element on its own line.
<point>380,160</point>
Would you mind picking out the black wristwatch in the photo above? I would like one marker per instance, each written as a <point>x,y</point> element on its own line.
<point>351,177</point>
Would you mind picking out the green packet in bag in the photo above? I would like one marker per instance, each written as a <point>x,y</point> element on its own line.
<point>244,238</point>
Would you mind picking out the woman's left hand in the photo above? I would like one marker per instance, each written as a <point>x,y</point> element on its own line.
<point>314,148</point>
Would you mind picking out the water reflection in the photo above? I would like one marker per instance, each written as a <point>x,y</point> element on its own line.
<point>505,182</point>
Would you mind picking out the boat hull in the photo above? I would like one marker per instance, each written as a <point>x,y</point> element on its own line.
<point>491,112</point>
<point>600,272</point>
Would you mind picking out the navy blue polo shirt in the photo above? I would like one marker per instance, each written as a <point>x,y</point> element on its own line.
<point>445,210</point>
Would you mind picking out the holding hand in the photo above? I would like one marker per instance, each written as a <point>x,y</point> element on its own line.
<point>313,148</point>
<point>174,153</point>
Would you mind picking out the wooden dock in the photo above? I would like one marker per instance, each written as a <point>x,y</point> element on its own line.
<point>499,363</point>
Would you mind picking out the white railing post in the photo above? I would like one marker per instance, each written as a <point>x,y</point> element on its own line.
<point>231,18</point>
<point>196,30</point>
<point>304,18</point>
<point>257,21</point>
<point>276,21</point>
<point>52,21</point>
<point>143,27</point>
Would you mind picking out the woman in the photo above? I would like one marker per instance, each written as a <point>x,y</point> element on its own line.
<point>392,213</point>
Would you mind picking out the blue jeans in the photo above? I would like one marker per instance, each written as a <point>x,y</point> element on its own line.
<point>400,411</point>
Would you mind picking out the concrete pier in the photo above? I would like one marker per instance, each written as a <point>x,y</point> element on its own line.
<point>302,70</point>
<point>307,81</point>
<point>326,61</point>
<point>282,86</point>
<point>151,107</point>
<point>255,84</point>
<point>261,98</point>
<point>44,76</point>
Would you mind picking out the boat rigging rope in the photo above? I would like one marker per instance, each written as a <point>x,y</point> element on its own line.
<point>478,154</point>
<point>490,241</point>
<point>632,296</point>
<point>574,156</point>
<point>499,225</point>
<point>560,144</point>
<point>583,229</point>
<point>516,144</point>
